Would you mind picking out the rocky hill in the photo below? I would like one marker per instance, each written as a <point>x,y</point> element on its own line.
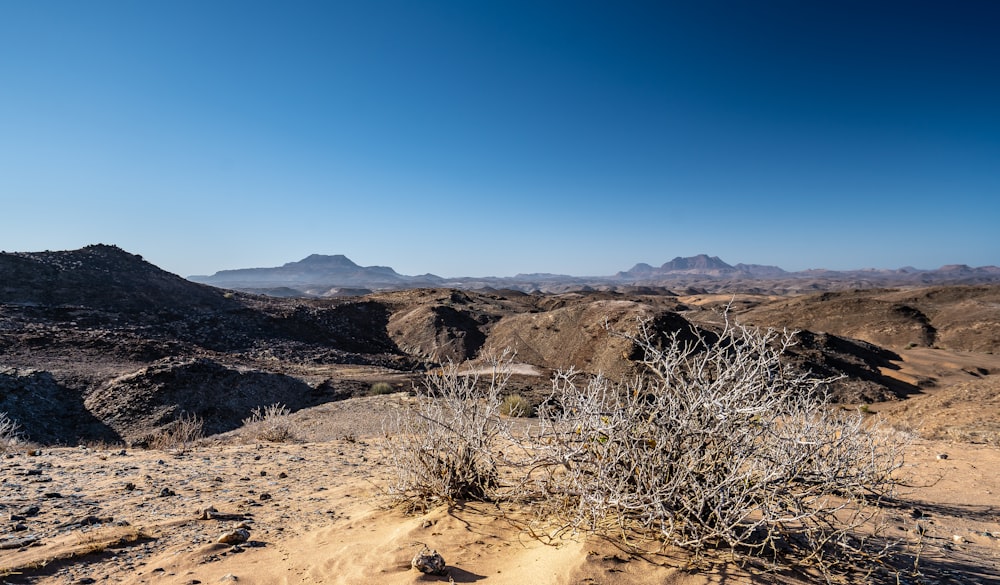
<point>97,344</point>
<point>98,277</point>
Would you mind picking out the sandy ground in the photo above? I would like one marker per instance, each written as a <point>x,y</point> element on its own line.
<point>314,513</point>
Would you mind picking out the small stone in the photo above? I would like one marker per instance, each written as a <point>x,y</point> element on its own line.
<point>229,577</point>
<point>129,486</point>
<point>264,497</point>
<point>167,492</point>
<point>263,473</point>
<point>238,536</point>
<point>429,561</point>
<point>942,456</point>
<point>282,475</point>
<point>208,513</point>
<point>51,495</point>
<point>958,539</point>
<point>86,581</point>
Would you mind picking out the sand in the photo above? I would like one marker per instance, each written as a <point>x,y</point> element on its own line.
<point>315,512</point>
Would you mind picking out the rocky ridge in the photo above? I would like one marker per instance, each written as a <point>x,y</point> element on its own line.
<point>333,276</point>
<point>97,344</point>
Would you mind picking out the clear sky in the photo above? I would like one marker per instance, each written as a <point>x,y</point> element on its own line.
<point>490,138</point>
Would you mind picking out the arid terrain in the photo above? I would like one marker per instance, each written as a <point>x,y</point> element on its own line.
<point>101,353</point>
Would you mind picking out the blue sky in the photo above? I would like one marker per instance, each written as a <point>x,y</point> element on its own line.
<point>492,138</point>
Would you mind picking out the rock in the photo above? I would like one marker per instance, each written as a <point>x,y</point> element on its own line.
<point>238,536</point>
<point>167,492</point>
<point>429,561</point>
<point>942,456</point>
<point>8,543</point>
<point>229,577</point>
<point>208,513</point>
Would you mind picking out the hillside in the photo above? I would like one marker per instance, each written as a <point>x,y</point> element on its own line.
<point>97,344</point>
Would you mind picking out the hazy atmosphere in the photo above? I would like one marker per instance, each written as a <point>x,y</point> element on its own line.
<point>472,138</point>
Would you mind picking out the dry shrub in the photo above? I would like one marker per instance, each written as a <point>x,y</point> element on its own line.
<point>10,432</point>
<point>715,444</point>
<point>270,423</point>
<point>444,448</point>
<point>381,388</point>
<point>516,405</point>
<point>180,434</point>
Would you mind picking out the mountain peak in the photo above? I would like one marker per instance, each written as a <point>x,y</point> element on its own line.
<point>700,262</point>
<point>321,260</point>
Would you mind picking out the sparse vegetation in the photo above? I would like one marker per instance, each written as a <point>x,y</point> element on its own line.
<point>445,448</point>
<point>270,423</point>
<point>380,388</point>
<point>715,444</point>
<point>516,405</point>
<point>181,434</point>
<point>10,432</point>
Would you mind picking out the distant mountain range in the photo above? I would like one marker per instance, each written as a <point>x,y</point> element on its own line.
<point>323,276</point>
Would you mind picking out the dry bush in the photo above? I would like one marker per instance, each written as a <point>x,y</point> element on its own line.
<point>180,434</point>
<point>444,448</point>
<point>270,423</point>
<point>10,432</point>
<point>716,444</point>
<point>516,405</point>
<point>381,388</point>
